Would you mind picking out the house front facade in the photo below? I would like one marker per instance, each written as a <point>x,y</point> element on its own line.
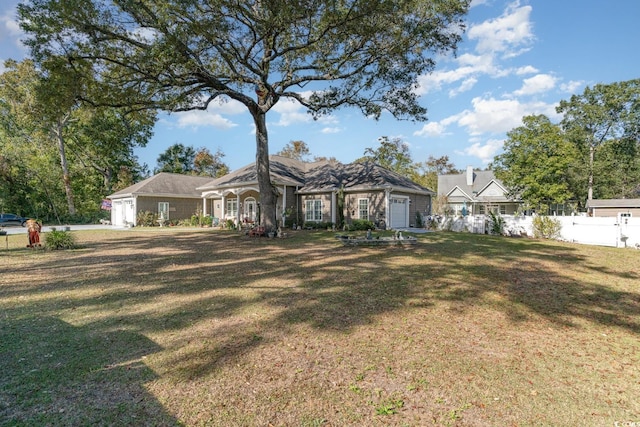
<point>320,193</point>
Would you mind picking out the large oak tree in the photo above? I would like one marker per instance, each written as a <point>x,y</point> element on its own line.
<point>179,55</point>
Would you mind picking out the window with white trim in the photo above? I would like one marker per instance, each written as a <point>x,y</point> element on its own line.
<point>232,208</point>
<point>363,209</point>
<point>163,210</point>
<point>313,211</point>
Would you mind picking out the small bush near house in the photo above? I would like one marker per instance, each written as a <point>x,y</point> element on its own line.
<point>146,219</point>
<point>200,220</point>
<point>362,225</point>
<point>419,220</point>
<point>56,239</point>
<point>546,227</point>
<point>318,225</point>
<point>496,225</point>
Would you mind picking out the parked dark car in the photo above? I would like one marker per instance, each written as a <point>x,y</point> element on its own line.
<point>12,219</point>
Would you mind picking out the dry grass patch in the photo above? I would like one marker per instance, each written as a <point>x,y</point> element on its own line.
<point>166,327</point>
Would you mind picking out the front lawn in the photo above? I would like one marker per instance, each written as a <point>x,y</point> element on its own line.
<point>165,327</point>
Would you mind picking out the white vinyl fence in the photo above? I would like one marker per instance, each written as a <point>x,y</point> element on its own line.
<point>610,231</point>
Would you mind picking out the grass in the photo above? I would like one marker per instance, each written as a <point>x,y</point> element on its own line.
<point>166,327</point>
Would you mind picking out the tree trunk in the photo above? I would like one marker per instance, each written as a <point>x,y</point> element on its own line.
<point>66,179</point>
<point>268,196</point>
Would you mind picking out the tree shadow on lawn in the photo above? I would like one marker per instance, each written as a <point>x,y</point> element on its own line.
<point>56,374</point>
<point>242,287</point>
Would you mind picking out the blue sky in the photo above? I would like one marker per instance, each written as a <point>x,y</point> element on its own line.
<point>517,58</point>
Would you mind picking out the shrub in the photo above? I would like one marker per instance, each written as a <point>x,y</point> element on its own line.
<point>318,225</point>
<point>362,225</point>
<point>56,239</point>
<point>146,219</point>
<point>546,227</point>
<point>419,220</point>
<point>497,224</point>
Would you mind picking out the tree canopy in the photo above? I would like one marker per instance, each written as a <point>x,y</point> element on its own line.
<point>602,115</point>
<point>536,163</point>
<point>186,160</point>
<point>182,55</point>
<point>60,156</point>
<point>594,152</point>
<point>298,150</point>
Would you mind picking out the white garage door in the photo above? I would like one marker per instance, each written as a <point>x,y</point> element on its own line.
<point>399,209</point>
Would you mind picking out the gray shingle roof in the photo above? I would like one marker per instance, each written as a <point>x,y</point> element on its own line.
<point>313,177</point>
<point>481,179</point>
<point>165,184</point>
<point>319,176</point>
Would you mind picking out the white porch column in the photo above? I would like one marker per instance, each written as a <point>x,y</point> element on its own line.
<point>204,206</point>
<point>238,213</point>
<point>387,207</point>
<point>223,207</point>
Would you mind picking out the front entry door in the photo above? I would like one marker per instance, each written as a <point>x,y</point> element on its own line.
<point>250,210</point>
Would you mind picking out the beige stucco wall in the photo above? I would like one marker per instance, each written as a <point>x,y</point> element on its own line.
<point>613,212</point>
<point>179,208</point>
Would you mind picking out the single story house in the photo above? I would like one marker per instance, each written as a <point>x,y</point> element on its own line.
<point>307,193</point>
<point>174,196</point>
<point>313,192</point>
<point>614,208</point>
<point>476,193</point>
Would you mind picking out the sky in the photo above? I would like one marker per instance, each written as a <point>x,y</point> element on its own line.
<point>517,58</point>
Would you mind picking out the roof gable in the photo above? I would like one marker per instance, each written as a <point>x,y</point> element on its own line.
<point>457,193</point>
<point>492,190</point>
<point>483,182</point>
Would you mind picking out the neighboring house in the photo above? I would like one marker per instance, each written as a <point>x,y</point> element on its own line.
<point>476,193</point>
<point>614,208</point>
<point>174,196</point>
<point>311,193</point>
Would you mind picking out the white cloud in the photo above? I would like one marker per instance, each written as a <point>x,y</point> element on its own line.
<point>199,118</point>
<point>465,86</point>
<point>10,35</point>
<point>536,84</point>
<point>572,86</point>
<point>527,69</point>
<point>329,130</point>
<point>475,3</point>
<point>291,112</point>
<point>510,33</point>
<point>432,129</point>
<point>485,152</point>
<point>491,115</point>
<point>227,106</point>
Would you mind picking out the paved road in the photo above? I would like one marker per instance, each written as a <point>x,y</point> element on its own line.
<point>23,230</point>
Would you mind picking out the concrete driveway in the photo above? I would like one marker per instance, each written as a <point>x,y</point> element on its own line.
<point>45,228</point>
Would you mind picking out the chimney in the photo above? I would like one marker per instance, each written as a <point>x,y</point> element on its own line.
<point>470,176</point>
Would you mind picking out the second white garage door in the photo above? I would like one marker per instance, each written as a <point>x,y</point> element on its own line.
<point>399,212</point>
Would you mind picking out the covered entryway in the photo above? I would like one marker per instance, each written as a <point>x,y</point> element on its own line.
<point>250,209</point>
<point>399,210</point>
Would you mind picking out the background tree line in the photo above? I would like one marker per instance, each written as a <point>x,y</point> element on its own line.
<point>592,153</point>
<point>59,156</point>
